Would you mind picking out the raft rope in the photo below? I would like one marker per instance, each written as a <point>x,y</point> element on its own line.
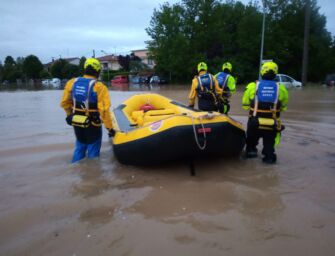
<point>201,147</point>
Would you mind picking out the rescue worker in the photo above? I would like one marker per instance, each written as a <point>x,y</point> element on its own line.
<point>265,99</point>
<point>227,84</point>
<point>205,87</point>
<point>86,103</point>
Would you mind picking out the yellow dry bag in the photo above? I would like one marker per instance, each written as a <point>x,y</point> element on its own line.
<point>81,121</point>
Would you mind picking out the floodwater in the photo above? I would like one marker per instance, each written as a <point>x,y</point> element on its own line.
<point>100,207</point>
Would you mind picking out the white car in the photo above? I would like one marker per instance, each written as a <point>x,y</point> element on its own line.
<point>55,82</point>
<point>288,81</point>
<point>46,82</point>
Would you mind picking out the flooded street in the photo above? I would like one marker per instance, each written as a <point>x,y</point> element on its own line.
<point>100,207</point>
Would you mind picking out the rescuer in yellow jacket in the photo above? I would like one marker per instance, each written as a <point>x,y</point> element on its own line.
<point>206,88</point>
<point>228,85</point>
<point>86,103</point>
<point>265,99</point>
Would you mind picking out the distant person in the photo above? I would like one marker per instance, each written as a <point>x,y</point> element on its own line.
<point>227,84</point>
<point>265,99</point>
<point>205,87</point>
<point>86,103</point>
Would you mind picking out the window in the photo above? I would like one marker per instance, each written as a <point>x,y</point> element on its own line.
<point>285,79</point>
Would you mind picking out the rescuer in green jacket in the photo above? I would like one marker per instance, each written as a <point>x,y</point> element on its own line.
<point>265,99</point>
<point>227,83</point>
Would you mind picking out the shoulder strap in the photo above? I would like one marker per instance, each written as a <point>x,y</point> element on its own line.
<point>256,100</point>
<point>86,103</point>
<point>73,98</point>
<point>90,85</point>
<point>276,100</point>
<point>200,83</point>
<point>211,81</point>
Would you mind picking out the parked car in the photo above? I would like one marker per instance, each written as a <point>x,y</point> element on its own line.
<point>55,82</point>
<point>120,79</point>
<point>144,79</point>
<point>46,82</point>
<point>135,80</point>
<point>288,81</point>
<point>330,80</point>
<point>157,80</point>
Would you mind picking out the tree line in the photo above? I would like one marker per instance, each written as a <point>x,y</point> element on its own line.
<point>31,67</point>
<point>214,31</point>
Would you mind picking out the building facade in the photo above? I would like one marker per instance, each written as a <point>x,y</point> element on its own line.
<point>143,54</point>
<point>109,62</point>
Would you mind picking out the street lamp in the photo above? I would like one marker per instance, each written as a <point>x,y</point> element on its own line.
<point>107,65</point>
<point>262,42</point>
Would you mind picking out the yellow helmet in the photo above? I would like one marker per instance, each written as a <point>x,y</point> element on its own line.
<point>268,66</point>
<point>202,66</point>
<point>94,63</point>
<point>228,66</point>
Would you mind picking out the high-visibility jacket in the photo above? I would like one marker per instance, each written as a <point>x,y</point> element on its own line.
<point>266,94</point>
<point>226,83</point>
<point>99,99</point>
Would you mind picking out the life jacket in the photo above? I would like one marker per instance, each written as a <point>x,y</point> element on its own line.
<point>206,87</point>
<point>85,100</point>
<point>222,78</point>
<point>265,103</point>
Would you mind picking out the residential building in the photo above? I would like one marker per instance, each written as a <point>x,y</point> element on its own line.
<point>73,61</point>
<point>143,54</point>
<point>109,62</point>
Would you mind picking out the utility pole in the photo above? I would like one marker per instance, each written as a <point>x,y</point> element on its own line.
<point>262,43</point>
<point>93,54</point>
<point>306,42</point>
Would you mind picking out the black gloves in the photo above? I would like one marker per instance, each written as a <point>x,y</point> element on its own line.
<point>111,133</point>
<point>68,119</point>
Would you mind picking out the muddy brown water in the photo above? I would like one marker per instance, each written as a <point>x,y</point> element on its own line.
<point>100,207</point>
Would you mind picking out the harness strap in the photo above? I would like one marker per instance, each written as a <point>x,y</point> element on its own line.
<point>86,102</point>
<point>274,110</point>
<point>200,84</point>
<point>263,110</point>
<point>84,110</point>
<point>225,81</point>
<point>256,101</point>
<point>210,85</point>
<point>211,82</point>
<point>73,98</point>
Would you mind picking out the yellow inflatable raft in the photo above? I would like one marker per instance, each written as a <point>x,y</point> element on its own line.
<point>152,129</point>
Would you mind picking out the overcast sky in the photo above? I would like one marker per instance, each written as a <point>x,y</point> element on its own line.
<point>71,28</point>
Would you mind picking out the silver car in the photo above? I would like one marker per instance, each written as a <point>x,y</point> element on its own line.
<point>288,81</point>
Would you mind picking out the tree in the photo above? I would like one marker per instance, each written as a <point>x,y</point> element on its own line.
<point>9,70</point>
<point>1,72</point>
<point>81,65</point>
<point>124,62</point>
<point>70,71</point>
<point>44,74</point>
<point>32,67</point>
<point>62,69</point>
<point>191,31</point>
<point>57,68</point>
